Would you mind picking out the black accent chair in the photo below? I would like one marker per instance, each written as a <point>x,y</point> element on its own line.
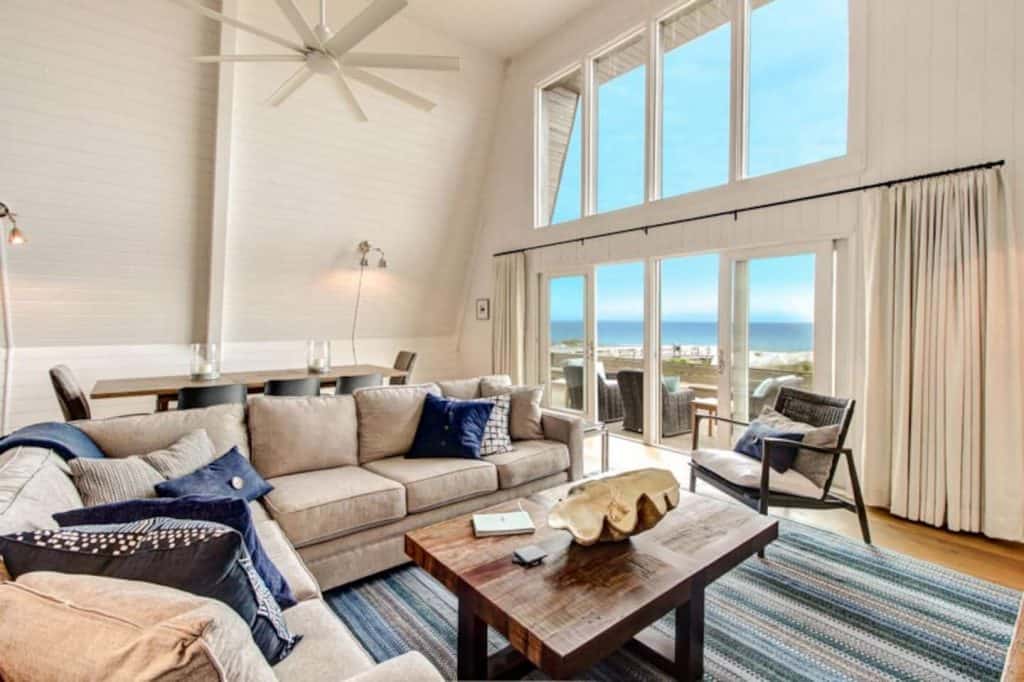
<point>404,361</point>
<point>347,385</point>
<point>192,397</point>
<point>292,387</point>
<point>73,403</point>
<point>809,408</point>
<point>675,405</point>
<point>609,398</point>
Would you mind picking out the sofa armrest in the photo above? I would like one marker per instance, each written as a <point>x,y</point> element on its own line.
<point>568,429</point>
<point>409,667</point>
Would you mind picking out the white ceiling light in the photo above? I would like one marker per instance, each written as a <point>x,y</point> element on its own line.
<point>330,53</point>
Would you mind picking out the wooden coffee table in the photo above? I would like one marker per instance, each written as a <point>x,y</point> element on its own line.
<point>584,603</point>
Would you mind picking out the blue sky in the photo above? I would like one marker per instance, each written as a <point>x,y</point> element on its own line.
<point>798,110</point>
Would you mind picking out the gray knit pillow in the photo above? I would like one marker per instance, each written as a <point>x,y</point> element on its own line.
<point>103,481</point>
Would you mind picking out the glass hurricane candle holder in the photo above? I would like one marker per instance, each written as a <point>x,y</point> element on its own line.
<point>318,356</point>
<point>205,364</point>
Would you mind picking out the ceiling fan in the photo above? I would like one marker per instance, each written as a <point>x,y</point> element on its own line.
<point>330,54</point>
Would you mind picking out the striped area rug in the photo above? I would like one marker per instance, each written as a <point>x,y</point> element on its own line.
<point>819,607</point>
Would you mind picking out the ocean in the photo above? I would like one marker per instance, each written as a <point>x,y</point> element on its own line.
<point>764,336</point>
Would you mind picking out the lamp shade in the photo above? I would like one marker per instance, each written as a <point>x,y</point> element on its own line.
<point>16,236</point>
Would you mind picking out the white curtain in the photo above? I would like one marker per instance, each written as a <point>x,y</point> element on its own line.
<point>508,331</point>
<point>943,408</point>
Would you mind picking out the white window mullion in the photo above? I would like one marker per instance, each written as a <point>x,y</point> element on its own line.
<point>739,109</point>
<point>589,139</point>
<point>654,115</point>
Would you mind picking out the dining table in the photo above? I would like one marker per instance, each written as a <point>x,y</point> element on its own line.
<point>165,388</point>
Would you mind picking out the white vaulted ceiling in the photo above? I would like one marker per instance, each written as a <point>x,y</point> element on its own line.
<point>503,27</point>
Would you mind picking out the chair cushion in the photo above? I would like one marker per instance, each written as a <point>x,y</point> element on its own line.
<point>292,435</point>
<point>111,629</point>
<point>814,465</point>
<point>137,434</point>
<point>751,443</point>
<point>328,650</point>
<point>436,482</point>
<point>746,472</point>
<point>286,560</point>
<point>388,419</point>
<point>319,505</point>
<point>529,461</point>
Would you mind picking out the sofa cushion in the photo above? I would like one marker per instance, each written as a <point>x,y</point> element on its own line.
<point>33,488</point>
<point>110,629</point>
<point>137,434</point>
<point>461,389</point>
<point>436,482</point>
<point>292,435</point>
<point>318,505</point>
<point>284,557</point>
<point>746,472</point>
<point>525,412</point>
<point>388,418</point>
<point>412,666</point>
<point>328,650</point>
<point>530,460</point>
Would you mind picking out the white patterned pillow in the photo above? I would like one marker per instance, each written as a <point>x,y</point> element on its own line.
<point>496,436</point>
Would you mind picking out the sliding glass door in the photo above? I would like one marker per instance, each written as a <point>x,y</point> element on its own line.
<point>568,342</point>
<point>781,325</point>
<point>619,309</point>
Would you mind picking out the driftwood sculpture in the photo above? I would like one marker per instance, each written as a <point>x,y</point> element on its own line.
<point>613,508</point>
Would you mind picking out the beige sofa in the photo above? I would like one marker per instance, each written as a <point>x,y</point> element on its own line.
<point>343,495</point>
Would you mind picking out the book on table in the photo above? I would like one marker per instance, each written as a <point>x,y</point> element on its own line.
<point>503,523</point>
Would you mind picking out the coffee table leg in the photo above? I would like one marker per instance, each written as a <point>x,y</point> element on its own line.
<point>689,661</point>
<point>472,647</point>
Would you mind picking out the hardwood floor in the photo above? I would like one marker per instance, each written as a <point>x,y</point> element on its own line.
<point>997,561</point>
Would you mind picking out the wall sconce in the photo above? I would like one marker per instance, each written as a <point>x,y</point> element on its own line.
<point>366,249</point>
<point>15,236</point>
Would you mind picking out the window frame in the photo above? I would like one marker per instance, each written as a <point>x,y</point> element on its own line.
<point>852,163</point>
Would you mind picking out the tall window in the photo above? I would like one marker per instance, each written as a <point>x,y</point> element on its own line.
<point>560,182</point>
<point>787,62</point>
<point>797,83</point>
<point>696,55</point>
<point>621,80</point>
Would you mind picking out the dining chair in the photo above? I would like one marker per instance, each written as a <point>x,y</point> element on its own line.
<point>347,385</point>
<point>405,361</point>
<point>292,387</point>
<point>72,400</point>
<point>192,397</point>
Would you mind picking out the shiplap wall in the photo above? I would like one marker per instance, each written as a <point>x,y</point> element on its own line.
<point>108,131</point>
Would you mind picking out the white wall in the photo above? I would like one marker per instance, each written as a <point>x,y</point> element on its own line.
<point>108,133</point>
<point>943,86</point>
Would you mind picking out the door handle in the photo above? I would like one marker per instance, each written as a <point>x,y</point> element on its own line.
<point>721,361</point>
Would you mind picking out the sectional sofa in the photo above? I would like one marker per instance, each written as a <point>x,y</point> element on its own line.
<point>343,498</point>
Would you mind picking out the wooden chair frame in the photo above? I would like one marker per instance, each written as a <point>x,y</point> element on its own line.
<point>762,498</point>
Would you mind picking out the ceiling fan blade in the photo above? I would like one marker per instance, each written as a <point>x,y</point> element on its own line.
<point>293,83</point>
<point>294,16</point>
<point>368,21</point>
<point>388,88</point>
<point>224,19</point>
<point>347,96</point>
<point>221,58</point>
<point>401,61</point>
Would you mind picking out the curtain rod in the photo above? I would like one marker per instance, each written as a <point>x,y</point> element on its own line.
<point>735,212</point>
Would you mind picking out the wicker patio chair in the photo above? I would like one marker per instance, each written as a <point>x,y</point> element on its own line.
<point>675,405</point>
<point>807,484</point>
<point>609,398</point>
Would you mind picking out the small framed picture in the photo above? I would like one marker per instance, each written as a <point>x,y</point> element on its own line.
<point>483,308</point>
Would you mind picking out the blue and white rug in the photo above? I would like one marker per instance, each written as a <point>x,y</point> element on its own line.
<point>819,607</point>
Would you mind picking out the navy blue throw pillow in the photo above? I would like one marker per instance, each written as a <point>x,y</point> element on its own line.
<point>230,511</point>
<point>451,428</point>
<point>230,475</point>
<point>206,559</point>
<point>780,457</point>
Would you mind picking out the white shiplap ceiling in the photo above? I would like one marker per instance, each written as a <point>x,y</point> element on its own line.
<point>503,27</point>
